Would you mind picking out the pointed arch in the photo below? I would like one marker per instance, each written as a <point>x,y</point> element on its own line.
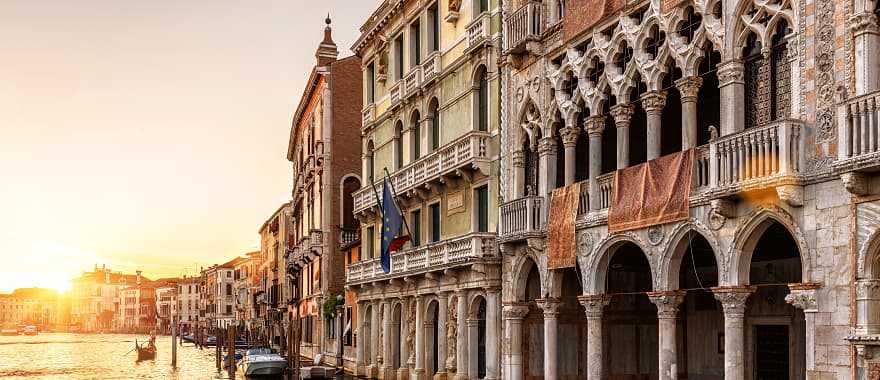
<point>747,236</point>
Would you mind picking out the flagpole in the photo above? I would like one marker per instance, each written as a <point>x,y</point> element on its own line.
<point>396,203</point>
<point>378,201</point>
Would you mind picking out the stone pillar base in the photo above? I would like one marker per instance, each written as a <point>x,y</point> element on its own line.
<point>440,376</point>
<point>387,373</point>
<point>417,374</point>
<point>403,374</point>
<point>372,372</point>
<point>461,376</point>
<point>360,370</point>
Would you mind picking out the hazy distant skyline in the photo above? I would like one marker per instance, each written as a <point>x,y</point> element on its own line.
<point>148,135</point>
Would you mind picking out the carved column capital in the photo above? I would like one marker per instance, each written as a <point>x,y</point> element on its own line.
<point>594,304</point>
<point>855,183</point>
<point>622,114</point>
<point>547,146</point>
<point>862,23</point>
<point>550,306</point>
<point>689,88</point>
<point>667,303</point>
<point>867,289</point>
<point>654,101</point>
<point>733,299</point>
<point>803,296</point>
<point>595,125</point>
<point>570,136</point>
<point>515,311</point>
<point>731,72</point>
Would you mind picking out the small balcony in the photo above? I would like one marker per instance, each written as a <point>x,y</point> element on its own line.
<point>525,25</point>
<point>431,68</point>
<point>460,157</point>
<point>412,82</point>
<point>396,93</point>
<point>437,256</point>
<point>478,31</point>
<point>348,236</point>
<point>368,114</point>
<point>316,240</point>
<point>522,218</point>
<point>859,134</point>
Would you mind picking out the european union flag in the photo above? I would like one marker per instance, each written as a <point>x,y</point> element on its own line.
<point>393,236</point>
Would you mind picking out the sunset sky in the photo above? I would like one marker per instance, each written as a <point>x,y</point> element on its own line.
<point>148,134</point>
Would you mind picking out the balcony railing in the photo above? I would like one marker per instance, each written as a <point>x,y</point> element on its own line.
<point>524,25</point>
<point>430,257</point>
<point>606,189</point>
<point>859,133</point>
<point>755,158</point>
<point>521,218</point>
<point>347,236</point>
<point>700,177</point>
<point>412,81</point>
<point>431,68</point>
<point>316,238</point>
<point>369,114</point>
<point>396,93</point>
<point>469,150</point>
<point>478,31</point>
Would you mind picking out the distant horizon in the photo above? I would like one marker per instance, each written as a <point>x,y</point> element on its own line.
<point>149,136</point>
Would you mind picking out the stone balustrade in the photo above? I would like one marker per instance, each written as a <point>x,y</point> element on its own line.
<point>368,114</point>
<point>478,31</point>
<point>430,257</point>
<point>521,217</point>
<point>469,151</point>
<point>412,82</point>
<point>432,67</point>
<point>524,25</point>
<point>396,93</point>
<point>347,236</point>
<point>859,133</point>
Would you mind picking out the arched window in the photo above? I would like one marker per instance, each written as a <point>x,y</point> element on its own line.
<point>531,168</point>
<point>398,145</point>
<point>753,62</point>
<point>416,142</point>
<point>370,169</point>
<point>780,73</point>
<point>434,114</point>
<point>481,103</point>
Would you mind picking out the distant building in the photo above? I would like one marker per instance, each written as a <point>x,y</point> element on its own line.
<point>188,302</point>
<point>31,306</point>
<point>270,293</point>
<point>166,303</point>
<point>94,299</point>
<point>245,288</point>
<point>137,306</point>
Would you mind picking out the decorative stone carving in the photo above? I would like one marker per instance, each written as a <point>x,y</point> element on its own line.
<point>595,125</point>
<point>863,23</point>
<point>570,136</point>
<point>514,311</point>
<point>855,183</point>
<point>451,334</point>
<point>454,8</point>
<point>584,242</point>
<point>867,289</point>
<point>550,306</point>
<point>594,305</point>
<point>791,194</point>
<point>803,296</point>
<point>733,299</point>
<point>654,101</point>
<point>411,332</point>
<point>667,303</point>
<point>547,146</point>
<point>655,235</point>
<point>719,211</point>
<point>731,72</point>
<point>622,114</point>
<point>825,72</point>
<point>689,88</point>
<point>519,159</point>
<point>379,350</point>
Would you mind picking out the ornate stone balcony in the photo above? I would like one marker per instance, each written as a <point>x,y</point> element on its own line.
<point>369,114</point>
<point>348,236</point>
<point>478,31</point>
<point>768,157</point>
<point>525,25</point>
<point>464,250</point>
<point>396,93</point>
<point>412,82</point>
<point>858,140</point>
<point>460,157</point>
<point>431,68</point>
<point>522,218</point>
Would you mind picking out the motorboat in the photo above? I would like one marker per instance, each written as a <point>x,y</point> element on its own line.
<point>262,361</point>
<point>147,352</point>
<point>30,330</point>
<point>210,341</point>
<point>9,332</point>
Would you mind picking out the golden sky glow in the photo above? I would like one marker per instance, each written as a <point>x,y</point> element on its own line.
<point>148,134</point>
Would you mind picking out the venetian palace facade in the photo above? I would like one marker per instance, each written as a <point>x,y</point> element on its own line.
<point>613,189</point>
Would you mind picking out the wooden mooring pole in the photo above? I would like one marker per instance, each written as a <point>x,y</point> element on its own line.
<point>174,342</point>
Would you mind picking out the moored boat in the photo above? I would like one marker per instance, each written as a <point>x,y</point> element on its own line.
<point>30,330</point>
<point>262,361</point>
<point>9,332</point>
<point>147,352</point>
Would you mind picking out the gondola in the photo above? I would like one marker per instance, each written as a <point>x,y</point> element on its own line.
<point>145,353</point>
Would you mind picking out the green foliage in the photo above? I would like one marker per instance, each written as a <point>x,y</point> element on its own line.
<point>330,305</point>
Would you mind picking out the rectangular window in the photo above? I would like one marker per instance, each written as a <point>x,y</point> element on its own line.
<point>415,43</point>
<point>371,252</point>
<point>371,83</point>
<point>435,222</point>
<point>228,309</point>
<point>434,16</point>
<point>415,222</point>
<point>481,197</point>
<point>417,141</point>
<point>398,57</point>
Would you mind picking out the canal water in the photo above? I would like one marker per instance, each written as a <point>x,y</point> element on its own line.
<point>99,356</point>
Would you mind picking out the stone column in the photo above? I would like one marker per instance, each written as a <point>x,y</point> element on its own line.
<point>519,174</point>
<point>594,126</point>
<point>653,103</point>
<point>594,306</point>
<point>866,42</point>
<point>404,338</point>
<point>733,301</point>
<point>551,322</point>
<point>622,114</point>
<point>493,333</point>
<point>667,312</point>
<point>547,167</point>
<point>360,353</point>
<point>461,340</point>
<point>387,370</point>
<point>375,327</point>
<point>569,141</point>
<point>419,370</point>
<point>513,319</point>
<point>868,306</point>
<point>473,332</point>
<point>732,87</point>
<point>442,310</point>
<point>803,296</point>
<point>689,88</point>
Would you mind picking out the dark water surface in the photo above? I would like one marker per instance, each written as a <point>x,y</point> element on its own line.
<point>91,356</point>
